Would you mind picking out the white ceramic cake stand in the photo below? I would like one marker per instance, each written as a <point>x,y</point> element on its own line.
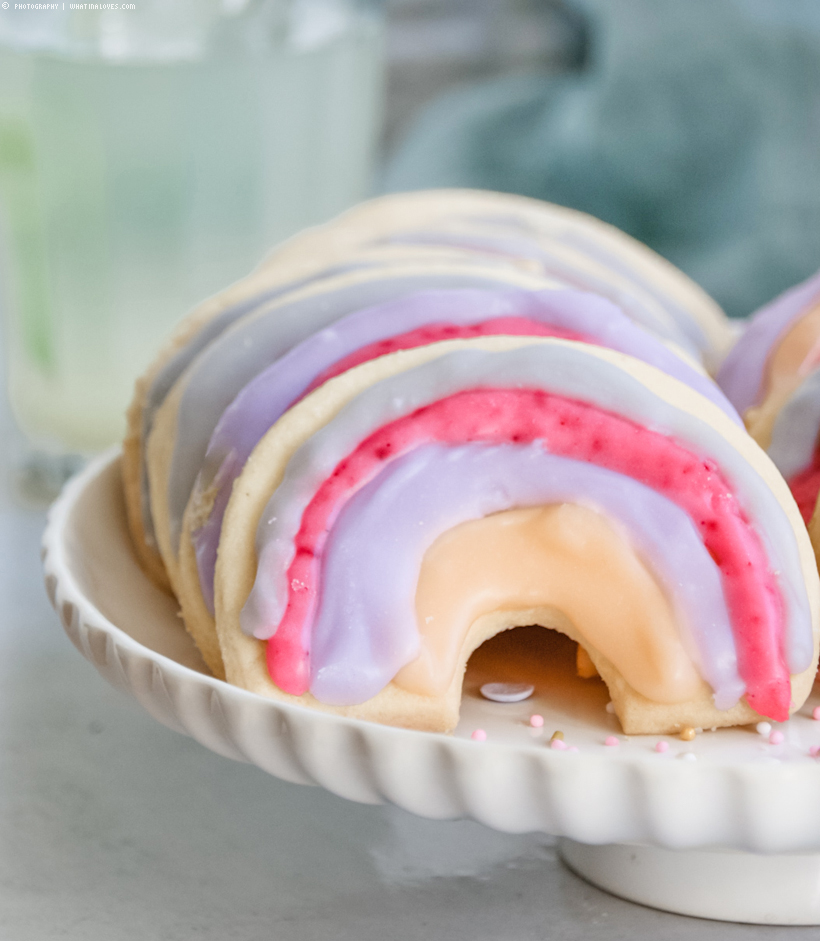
<point>727,826</point>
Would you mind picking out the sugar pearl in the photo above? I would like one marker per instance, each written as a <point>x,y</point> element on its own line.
<point>612,740</point>
<point>479,735</point>
<point>507,692</point>
<point>536,721</point>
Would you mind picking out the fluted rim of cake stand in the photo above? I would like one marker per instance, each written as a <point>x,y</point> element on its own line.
<point>595,798</point>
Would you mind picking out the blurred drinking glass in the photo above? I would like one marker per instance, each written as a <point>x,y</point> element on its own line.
<point>150,153</point>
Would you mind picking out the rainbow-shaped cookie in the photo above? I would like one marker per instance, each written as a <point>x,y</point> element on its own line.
<point>420,503</point>
<point>447,414</point>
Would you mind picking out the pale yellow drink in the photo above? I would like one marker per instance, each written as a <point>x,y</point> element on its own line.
<point>130,190</point>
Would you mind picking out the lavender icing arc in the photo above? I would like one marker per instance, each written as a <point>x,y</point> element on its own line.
<point>265,398</point>
<point>569,369</point>
<point>741,375</point>
<point>370,573</point>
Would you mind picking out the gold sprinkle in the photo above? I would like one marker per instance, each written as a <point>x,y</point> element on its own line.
<point>687,735</point>
<point>556,735</point>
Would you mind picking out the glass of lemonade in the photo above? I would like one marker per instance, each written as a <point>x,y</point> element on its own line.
<point>149,156</point>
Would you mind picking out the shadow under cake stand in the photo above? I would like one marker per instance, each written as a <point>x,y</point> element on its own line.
<point>726,826</point>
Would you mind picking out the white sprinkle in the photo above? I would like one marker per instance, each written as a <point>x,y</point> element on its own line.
<point>764,728</point>
<point>688,756</point>
<point>271,520</point>
<point>428,619</point>
<point>507,692</point>
<point>610,708</point>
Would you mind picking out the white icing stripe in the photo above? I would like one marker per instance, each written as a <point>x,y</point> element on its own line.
<point>561,367</point>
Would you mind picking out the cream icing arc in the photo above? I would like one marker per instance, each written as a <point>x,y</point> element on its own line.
<point>572,371</point>
<point>369,575</point>
<point>564,557</point>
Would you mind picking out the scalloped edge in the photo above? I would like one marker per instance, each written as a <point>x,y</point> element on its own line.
<point>587,797</point>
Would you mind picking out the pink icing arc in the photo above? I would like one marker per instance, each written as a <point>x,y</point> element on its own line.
<point>573,429</point>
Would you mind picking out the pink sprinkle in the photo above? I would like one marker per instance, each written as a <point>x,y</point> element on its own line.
<point>536,721</point>
<point>662,746</point>
<point>612,740</point>
<point>775,738</point>
<point>814,751</point>
<point>479,735</point>
<point>558,744</point>
<point>815,713</point>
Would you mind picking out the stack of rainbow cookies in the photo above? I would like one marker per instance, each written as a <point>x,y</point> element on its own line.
<point>447,414</point>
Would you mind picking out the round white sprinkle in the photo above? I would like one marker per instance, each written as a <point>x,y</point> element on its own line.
<point>610,708</point>
<point>763,728</point>
<point>688,756</point>
<point>507,692</point>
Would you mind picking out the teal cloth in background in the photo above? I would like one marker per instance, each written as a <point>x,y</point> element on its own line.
<point>694,125</point>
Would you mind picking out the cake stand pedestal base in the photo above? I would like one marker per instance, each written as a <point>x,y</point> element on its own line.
<point>727,885</point>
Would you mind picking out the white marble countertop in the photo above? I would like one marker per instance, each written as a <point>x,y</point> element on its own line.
<point>114,828</point>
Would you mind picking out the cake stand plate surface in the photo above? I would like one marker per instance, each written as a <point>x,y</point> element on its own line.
<point>726,826</point>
